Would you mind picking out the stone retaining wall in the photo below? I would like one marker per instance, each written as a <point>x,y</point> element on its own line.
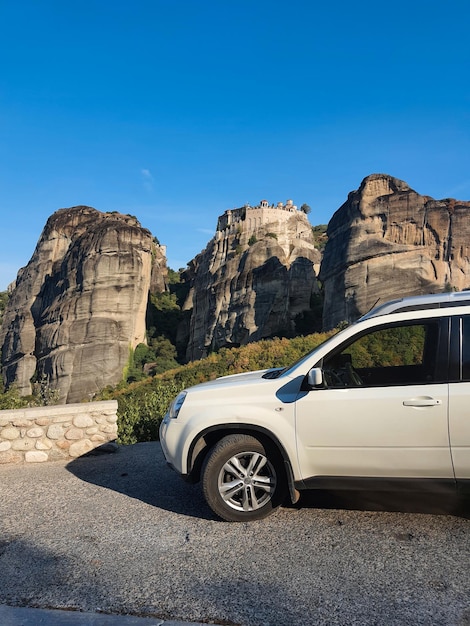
<point>53,433</point>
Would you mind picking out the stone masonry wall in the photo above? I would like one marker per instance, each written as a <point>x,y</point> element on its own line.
<point>54,433</point>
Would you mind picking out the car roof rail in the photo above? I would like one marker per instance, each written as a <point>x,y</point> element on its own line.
<point>421,303</point>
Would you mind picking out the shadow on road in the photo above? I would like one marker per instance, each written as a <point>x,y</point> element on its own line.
<point>433,503</point>
<point>139,471</point>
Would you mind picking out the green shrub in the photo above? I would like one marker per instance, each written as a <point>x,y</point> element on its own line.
<point>319,236</point>
<point>4,297</point>
<point>141,411</point>
<point>11,399</point>
<point>43,395</point>
<point>143,404</point>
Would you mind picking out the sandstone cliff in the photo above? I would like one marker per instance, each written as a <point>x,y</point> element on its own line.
<point>80,303</point>
<point>255,278</point>
<point>387,241</point>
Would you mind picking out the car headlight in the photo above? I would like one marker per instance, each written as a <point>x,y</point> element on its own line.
<point>176,405</point>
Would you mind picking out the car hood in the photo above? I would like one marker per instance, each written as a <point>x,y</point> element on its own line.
<point>233,379</point>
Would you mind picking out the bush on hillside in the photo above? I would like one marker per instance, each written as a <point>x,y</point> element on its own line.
<point>11,399</point>
<point>43,395</point>
<point>143,404</point>
<point>4,297</point>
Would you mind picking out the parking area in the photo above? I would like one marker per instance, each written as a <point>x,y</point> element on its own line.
<point>122,534</point>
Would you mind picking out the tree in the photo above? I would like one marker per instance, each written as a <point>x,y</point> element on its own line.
<point>4,296</point>
<point>305,208</point>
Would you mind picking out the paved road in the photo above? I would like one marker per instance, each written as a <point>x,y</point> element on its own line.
<point>122,534</point>
<point>26,616</point>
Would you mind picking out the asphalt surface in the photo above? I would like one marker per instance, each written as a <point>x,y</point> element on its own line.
<point>23,616</point>
<point>120,539</point>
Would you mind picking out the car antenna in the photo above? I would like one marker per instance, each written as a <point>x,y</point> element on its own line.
<point>373,306</point>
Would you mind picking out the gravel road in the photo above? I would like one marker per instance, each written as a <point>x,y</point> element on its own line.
<point>121,533</point>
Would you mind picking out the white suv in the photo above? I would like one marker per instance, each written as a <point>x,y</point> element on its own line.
<point>383,403</point>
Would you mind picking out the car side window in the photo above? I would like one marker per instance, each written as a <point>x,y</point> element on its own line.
<point>466,348</point>
<point>402,354</point>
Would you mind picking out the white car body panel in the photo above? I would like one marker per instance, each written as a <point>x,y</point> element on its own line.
<point>239,399</point>
<point>369,432</point>
<point>395,431</point>
<point>459,428</point>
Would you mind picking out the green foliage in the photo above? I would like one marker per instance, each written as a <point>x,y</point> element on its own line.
<point>43,395</point>
<point>140,413</point>
<point>163,315</point>
<point>305,208</point>
<point>133,372</point>
<point>173,277</point>
<point>143,404</point>
<point>319,236</point>
<point>4,297</point>
<point>272,235</point>
<point>161,356</point>
<point>145,360</point>
<point>143,354</point>
<point>252,240</point>
<point>165,301</point>
<point>11,399</point>
<point>389,347</point>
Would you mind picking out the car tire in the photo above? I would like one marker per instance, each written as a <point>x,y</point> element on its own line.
<point>243,479</point>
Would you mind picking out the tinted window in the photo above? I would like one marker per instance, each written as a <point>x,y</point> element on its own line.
<point>466,348</point>
<point>393,355</point>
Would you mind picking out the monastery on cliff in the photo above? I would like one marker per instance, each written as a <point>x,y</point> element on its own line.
<point>255,217</point>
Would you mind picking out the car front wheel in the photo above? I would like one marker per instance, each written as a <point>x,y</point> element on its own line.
<point>242,479</point>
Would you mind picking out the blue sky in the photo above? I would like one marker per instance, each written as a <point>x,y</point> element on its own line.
<point>176,110</point>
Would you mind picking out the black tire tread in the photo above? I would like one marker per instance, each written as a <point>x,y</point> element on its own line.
<point>223,450</point>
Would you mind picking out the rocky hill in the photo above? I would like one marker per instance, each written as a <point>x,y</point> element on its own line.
<point>387,241</point>
<point>80,303</point>
<point>255,279</point>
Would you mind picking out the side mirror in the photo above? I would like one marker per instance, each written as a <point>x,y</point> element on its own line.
<point>315,377</point>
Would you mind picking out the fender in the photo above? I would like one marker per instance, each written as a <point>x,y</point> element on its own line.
<point>207,437</point>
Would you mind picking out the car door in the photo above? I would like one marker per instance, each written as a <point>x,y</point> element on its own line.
<point>383,408</point>
<point>459,401</point>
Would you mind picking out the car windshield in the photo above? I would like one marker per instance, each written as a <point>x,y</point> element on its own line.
<point>306,357</point>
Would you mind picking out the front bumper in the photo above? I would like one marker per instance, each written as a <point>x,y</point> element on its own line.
<point>169,440</point>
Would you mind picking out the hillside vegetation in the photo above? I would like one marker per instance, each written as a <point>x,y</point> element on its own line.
<point>3,302</point>
<point>143,404</point>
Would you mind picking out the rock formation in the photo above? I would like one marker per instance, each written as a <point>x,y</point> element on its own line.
<point>387,241</point>
<point>80,303</point>
<point>253,280</point>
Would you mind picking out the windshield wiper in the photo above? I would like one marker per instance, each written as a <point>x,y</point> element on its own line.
<point>274,373</point>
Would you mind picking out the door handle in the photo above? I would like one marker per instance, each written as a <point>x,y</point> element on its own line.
<point>426,401</point>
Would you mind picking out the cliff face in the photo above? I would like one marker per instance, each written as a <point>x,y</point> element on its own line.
<point>80,303</point>
<point>387,241</point>
<point>255,277</point>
